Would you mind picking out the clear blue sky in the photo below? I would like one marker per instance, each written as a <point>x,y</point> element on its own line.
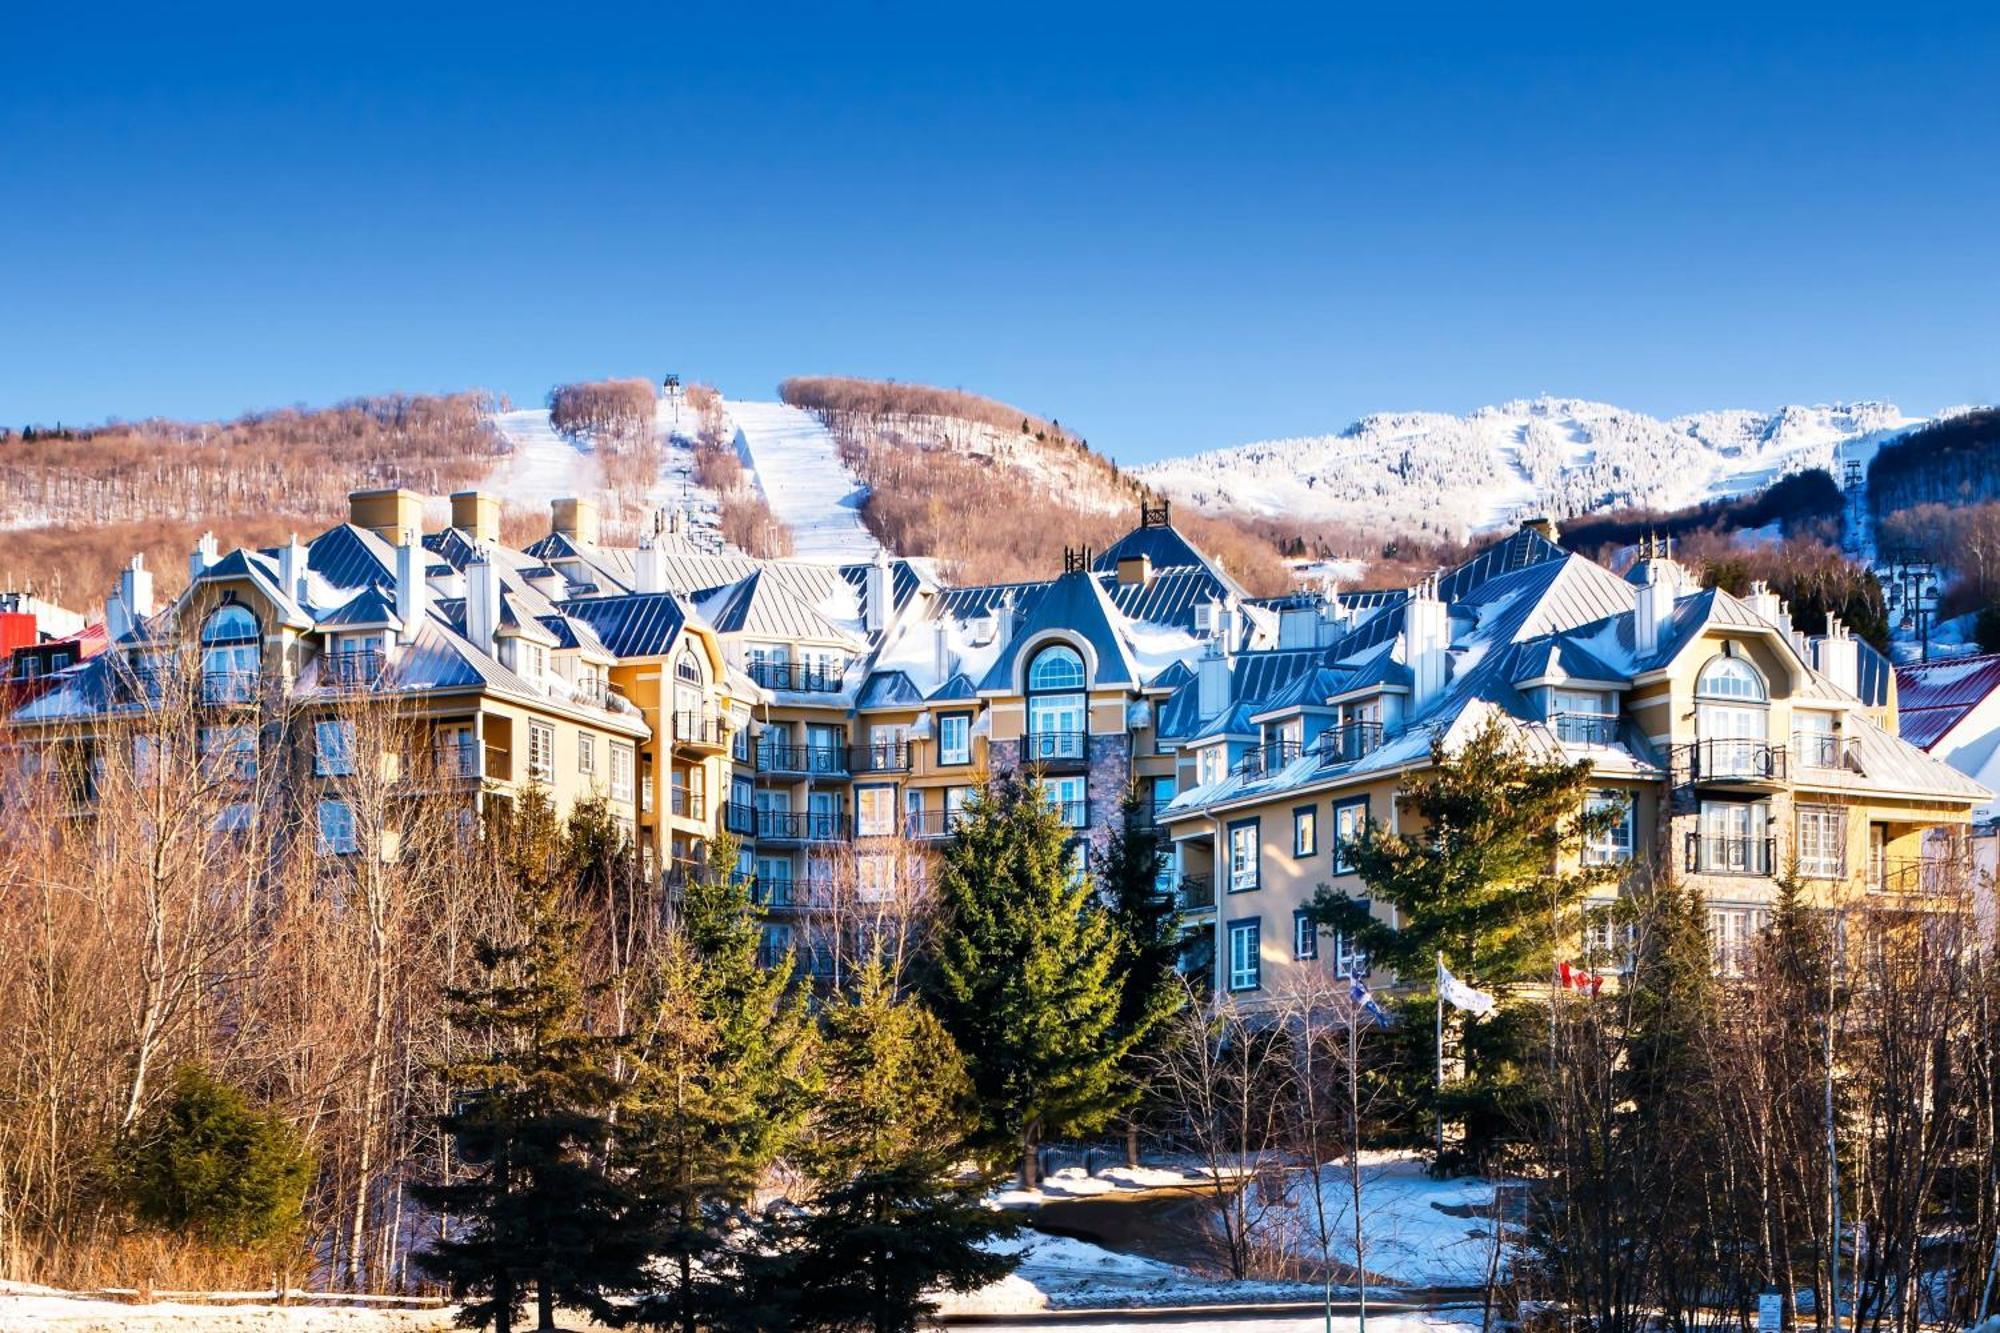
<point>1172,228</point>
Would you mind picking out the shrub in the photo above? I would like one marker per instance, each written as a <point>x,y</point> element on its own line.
<point>207,1162</point>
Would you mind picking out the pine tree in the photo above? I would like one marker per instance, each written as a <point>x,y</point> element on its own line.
<point>1488,877</point>
<point>536,1205</point>
<point>724,1073</point>
<point>208,1163</point>
<point>1023,976</point>
<point>889,1221</point>
<point>1147,924</point>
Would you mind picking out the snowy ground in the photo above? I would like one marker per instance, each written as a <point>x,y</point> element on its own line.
<point>546,465</point>
<point>810,490</point>
<point>30,1309</point>
<point>1439,1322</point>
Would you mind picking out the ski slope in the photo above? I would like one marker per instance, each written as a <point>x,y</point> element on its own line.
<point>810,490</point>
<point>544,464</point>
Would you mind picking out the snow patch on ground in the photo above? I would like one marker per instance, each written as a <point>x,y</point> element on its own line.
<point>543,464</point>
<point>1058,1272</point>
<point>809,488</point>
<point>28,1309</point>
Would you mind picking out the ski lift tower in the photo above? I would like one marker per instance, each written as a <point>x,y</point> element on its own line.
<point>670,389</point>
<point>1912,586</point>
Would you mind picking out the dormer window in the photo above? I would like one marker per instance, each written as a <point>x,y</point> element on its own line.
<point>232,652</point>
<point>1582,717</point>
<point>1732,718</point>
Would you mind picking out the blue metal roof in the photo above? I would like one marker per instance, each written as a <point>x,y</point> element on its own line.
<point>632,625</point>
<point>1075,604</point>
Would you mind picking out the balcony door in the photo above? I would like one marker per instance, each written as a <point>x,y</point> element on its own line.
<point>1732,718</point>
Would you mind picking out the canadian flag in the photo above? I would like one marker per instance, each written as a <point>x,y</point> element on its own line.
<point>1578,980</point>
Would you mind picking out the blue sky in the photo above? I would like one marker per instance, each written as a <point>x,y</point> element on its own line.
<point>1172,228</point>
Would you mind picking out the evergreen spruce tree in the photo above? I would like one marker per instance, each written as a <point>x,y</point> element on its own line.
<point>891,1219</point>
<point>724,1073</point>
<point>535,1205</point>
<point>1147,924</point>
<point>1023,978</point>
<point>1487,876</point>
<point>208,1163</point>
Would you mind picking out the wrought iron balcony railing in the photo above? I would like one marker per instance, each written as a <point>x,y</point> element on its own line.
<point>1730,759</point>
<point>1585,728</point>
<point>1708,854</point>
<point>1348,742</point>
<point>885,757</point>
<point>1267,758</point>
<point>799,677</point>
<point>1040,747</point>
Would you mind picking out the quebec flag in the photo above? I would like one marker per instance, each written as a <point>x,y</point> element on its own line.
<point>1365,1002</point>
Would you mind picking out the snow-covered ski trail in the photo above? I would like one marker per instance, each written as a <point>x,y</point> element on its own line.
<point>810,489</point>
<point>545,465</point>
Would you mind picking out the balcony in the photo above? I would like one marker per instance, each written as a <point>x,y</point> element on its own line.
<point>1730,761</point>
<point>1711,855</point>
<point>1195,893</point>
<point>1825,751</point>
<point>932,823</point>
<point>354,668</point>
<point>802,825</point>
<point>887,757</point>
<point>230,687</point>
<point>805,760</point>
<point>1075,814</point>
<point>1348,742</point>
<point>1920,876</point>
<point>685,804</point>
<point>594,691</point>
<point>1267,759</point>
<point>468,759</point>
<point>1055,747</point>
<point>772,891</point>
<point>739,818</point>
<point>798,677</point>
<point>700,731</point>
<point>1585,728</point>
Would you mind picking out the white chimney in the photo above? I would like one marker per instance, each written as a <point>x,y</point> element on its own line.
<point>1333,618</point>
<point>482,600</point>
<point>204,557</point>
<point>1298,625</point>
<point>1839,656</point>
<point>1650,609</point>
<point>649,567</point>
<point>413,589</point>
<point>1770,607</point>
<point>1212,680</point>
<point>117,620</point>
<point>941,662</point>
<point>875,616</point>
<point>1426,641</point>
<point>135,589</point>
<point>292,568</point>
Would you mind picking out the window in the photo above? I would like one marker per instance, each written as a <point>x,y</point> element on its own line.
<point>1245,962</point>
<point>1730,678</point>
<point>1209,764</point>
<point>1612,846</point>
<point>1164,790</point>
<point>1243,856</point>
<point>955,738</point>
<point>955,801</point>
<point>687,668</point>
<point>333,746</point>
<point>231,655</point>
<point>229,752</point>
<point>1815,738</point>
<point>586,753</point>
<point>458,752</point>
<point>1348,959</point>
<point>1822,841</point>
<point>621,772</point>
<point>874,878</point>
<point>1733,932</point>
<point>1305,831</point>
<point>1732,839</point>
<point>336,829</point>
<point>1350,819</point>
<point>1163,875</point>
<point>1305,936</point>
<point>1056,709</point>
<point>875,812</point>
<point>1071,799</point>
<point>1607,942</point>
<point>541,751</point>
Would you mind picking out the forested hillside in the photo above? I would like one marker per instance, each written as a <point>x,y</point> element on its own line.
<point>76,503</point>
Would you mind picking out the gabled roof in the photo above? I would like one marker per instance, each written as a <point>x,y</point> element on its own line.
<point>1557,657</point>
<point>764,607</point>
<point>1076,605</point>
<point>1934,697</point>
<point>888,689</point>
<point>632,625</point>
<point>350,557</point>
<point>959,687</point>
<point>366,609</point>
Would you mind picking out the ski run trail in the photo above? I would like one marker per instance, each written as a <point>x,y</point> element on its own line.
<point>810,490</point>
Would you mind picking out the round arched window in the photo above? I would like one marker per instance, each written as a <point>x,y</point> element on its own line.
<point>231,655</point>
<point>1057,667</point>
<point>1057,709</point>
<point>1731,678</point>
<point>230,624</point>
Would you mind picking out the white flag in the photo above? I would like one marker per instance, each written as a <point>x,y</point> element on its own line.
<point>1461,996</point>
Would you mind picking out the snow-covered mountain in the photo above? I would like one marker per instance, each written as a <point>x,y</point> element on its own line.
<point>1450,474</point>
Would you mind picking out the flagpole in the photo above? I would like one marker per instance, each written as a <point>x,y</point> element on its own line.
<point>1438,982</point>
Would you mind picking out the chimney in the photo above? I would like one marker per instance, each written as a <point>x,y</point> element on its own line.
<point>1770,607</point>
<point>204,557</point>
<point>1426,641</point>
<point>1135,569</point>
<point>576,519</point>
<point>1838,656</point>
<point>135,589</point>
<point>482,600</point>
<point>1654,600</point>
<point>413,589</point>
<point>875,615</point>
<point>476,514</point>
<point>1212,680</point>
<point>649,567</point>
<point>117,620</point>
<point>1542,524</point>
<point>292,568</point>
<point>1298,625</point>
<point>1333,617</point>
<point>941,662</point>
<point>390,514</point>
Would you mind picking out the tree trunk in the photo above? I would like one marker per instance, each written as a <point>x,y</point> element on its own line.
<point>1132,1143</point>
<point>545,1305</point>
<point>1030,1167</point>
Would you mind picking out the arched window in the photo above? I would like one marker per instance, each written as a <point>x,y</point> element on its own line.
<point>688,668</point>
<point>1730,678</point>
<point>687,689</point>
<point>1057,709</point>
<point>232,651</point>
<point>1732,719</point>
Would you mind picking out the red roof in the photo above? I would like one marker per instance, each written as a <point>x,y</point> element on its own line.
<point>1933,697</point>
